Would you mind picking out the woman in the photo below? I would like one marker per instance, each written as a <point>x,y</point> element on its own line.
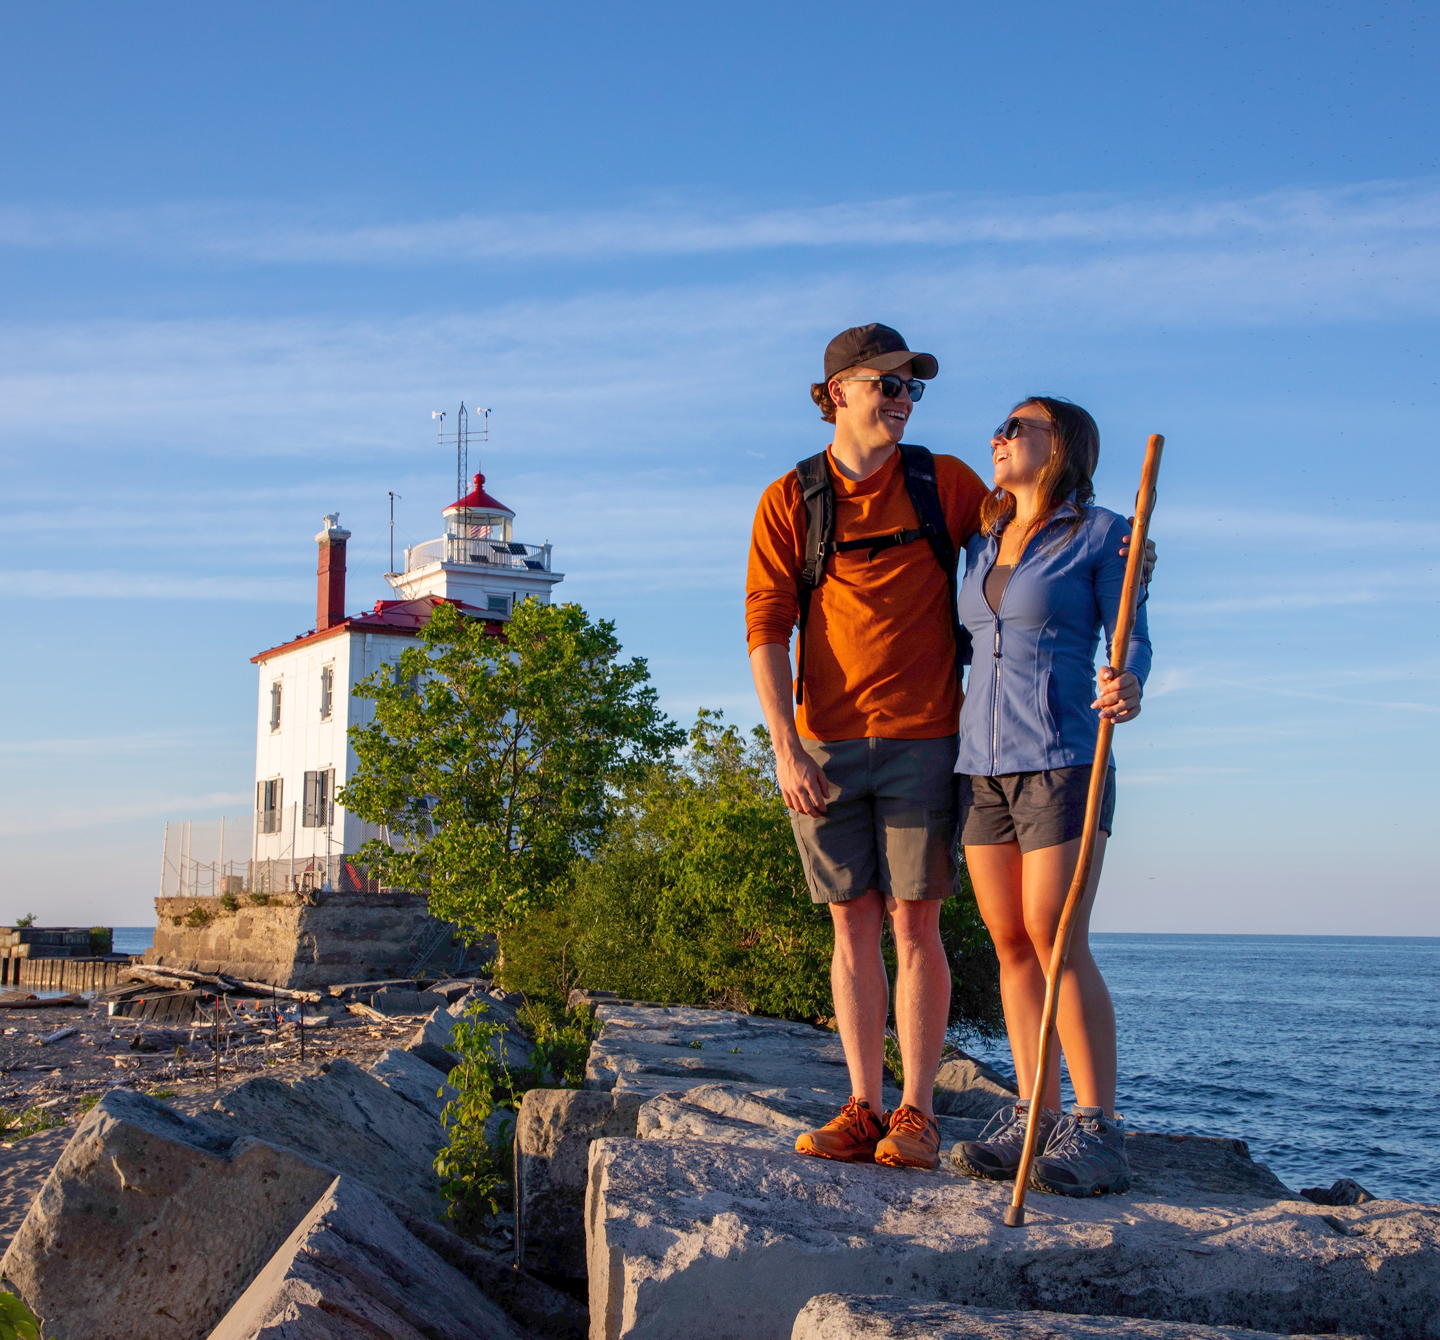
<point>1041,579</point>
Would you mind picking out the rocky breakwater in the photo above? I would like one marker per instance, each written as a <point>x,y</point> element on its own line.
<point>303,1206</point>
<point>704,1223</point>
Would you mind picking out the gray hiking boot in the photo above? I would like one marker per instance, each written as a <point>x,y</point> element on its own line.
<point>1085,1156</point>
<point>996,1154</point>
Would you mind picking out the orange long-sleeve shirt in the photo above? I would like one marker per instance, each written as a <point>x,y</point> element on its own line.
<point>879,646</point>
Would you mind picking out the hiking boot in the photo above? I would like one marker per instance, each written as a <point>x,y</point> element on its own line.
<point>850,1138</point>
<point>1085,1156</point>
<point>996,1153</point>
<point>913,1140</point>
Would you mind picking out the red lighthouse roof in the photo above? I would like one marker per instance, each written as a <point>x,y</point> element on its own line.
<point>477,500</point>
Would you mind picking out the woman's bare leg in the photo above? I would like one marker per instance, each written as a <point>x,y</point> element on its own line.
<point>1086,1016</point>
<point>997,871</point>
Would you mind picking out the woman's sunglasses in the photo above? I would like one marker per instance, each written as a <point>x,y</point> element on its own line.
<point>1013,427</point>
<point>890,385</point>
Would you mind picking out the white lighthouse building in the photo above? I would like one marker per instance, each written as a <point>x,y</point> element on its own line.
<point>302,838</point>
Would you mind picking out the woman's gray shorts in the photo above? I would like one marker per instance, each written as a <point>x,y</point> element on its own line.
<point>1035,809</point>
<point>890,824</point>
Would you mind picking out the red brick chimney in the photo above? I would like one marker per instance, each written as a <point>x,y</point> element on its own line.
<point>330,587</point>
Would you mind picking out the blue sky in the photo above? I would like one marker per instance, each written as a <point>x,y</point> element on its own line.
<point>246,253</point>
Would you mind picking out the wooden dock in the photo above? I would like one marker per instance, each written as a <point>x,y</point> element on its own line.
<point>64,974</point>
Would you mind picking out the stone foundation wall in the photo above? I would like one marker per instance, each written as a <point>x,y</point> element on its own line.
<point>302,941</point>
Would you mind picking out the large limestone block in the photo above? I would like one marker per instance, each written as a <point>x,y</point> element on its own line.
<point>708,1240</point>
<point>151,1224</point>
<point>755,1118</point>
<point>350,1270</point>
<point>657,1050</point>
<point>967,1087</point>
<point>435,1037</point>
<point>554,1132</point>
<point>348,1120</point>
<point>415,1080</point>
<point>834,1316</point>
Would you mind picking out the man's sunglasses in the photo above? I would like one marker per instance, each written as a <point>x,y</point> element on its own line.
<point>890,385</point>
<point>1013,427</point>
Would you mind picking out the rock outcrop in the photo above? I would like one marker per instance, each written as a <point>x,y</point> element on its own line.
<point>841,1317</point>
<point>346,1119</point>
<point>152,1224</point>
<point>351,1269</point>
<point>415,1080</point>
<point>554,1132</point>
<point>735,1241</point>
<point>966,1087</point>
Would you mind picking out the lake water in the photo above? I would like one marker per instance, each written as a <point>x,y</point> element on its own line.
<point>1322,1052</point>
<point>133,939</point>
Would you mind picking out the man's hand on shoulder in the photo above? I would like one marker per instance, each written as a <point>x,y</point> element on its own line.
<point>802,782</point>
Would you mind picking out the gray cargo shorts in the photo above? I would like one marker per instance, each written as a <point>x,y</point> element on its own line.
<point>890,823</point>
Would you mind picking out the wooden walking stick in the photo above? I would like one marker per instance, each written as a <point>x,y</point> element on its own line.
<point>1119,651</point>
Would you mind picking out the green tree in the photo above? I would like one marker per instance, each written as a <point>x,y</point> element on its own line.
<point>493,761</point>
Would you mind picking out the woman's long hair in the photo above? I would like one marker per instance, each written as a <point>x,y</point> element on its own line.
<point>1065,477</point>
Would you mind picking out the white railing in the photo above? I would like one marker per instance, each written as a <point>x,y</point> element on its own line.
<point>489,553</point>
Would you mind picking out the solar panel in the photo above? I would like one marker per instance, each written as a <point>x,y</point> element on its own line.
<point>535,565</point>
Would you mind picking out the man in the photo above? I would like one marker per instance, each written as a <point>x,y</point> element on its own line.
<point>865,761</point>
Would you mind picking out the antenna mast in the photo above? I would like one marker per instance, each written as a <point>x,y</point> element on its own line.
<point>461,438</point>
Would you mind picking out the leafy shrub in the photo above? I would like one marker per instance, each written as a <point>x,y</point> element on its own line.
<point>198,917</point>
<point>261,899</point>
<point>101,940</point>
<point>17,1322</point>
<point>27,920</point>
<point>476,1169</point>
<point>177,921</point>
<point>229,901</point>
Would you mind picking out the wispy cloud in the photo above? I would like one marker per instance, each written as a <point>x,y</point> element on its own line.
<point>80,818</point>
<point>676,227</point>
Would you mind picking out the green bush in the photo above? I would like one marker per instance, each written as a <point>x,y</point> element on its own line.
<point>27,920</point>
<point>17,1322</point>
<point>229,901</point>
<point>101,939</point>
<point>699,898</point>
<point>198,918</point>
<point>476,1171</point>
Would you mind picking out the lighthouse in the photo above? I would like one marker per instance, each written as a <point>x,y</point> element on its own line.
<point>302,837</point>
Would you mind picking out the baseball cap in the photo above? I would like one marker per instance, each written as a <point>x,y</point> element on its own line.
<point>875,346</point>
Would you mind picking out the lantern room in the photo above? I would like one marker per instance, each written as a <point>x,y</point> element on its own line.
<point>478,560</point>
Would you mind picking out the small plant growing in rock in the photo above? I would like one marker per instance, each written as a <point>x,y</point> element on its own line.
<point>102,938</point>
<point>27,920</point>
<point>198,918</point>
<point>163,1093</point>
<point>229,902</point>
<point>261,899</point>
<point>473,1167</point>
<point>177,921</point>
<point>87,1101</point>
<point>697,1046</point>
<point>16,1125</point>
<point>17,1322</point>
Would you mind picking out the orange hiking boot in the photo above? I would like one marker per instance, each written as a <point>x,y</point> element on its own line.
<point>912,1142</point>
<point>850,1138</point>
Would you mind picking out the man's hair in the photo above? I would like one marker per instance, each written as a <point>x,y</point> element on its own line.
<point>1066,476</point>
<point>820,394</point>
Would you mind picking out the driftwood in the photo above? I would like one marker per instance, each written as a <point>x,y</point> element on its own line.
<point>59,1036</point>
<point>19,1000</point>
<point>365,1012</point>
<point>182,977</point>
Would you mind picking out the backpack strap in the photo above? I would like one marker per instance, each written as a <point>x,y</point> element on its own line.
<point>919,469</point>
<point>817,491</point>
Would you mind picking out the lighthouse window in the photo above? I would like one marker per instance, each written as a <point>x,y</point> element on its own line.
<point>267,802</point>
<point>327,691</point>
<point>275,705</point>
<point>498,604</point>
<point>319,798</point>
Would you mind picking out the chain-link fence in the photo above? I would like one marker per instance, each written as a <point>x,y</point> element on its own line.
<point>206,858</point>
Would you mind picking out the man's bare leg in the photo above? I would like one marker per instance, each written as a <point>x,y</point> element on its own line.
<point>862,993</point>
<point>922,996</point>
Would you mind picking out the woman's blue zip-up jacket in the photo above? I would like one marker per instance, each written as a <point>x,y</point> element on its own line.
<point>1027,706</point>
